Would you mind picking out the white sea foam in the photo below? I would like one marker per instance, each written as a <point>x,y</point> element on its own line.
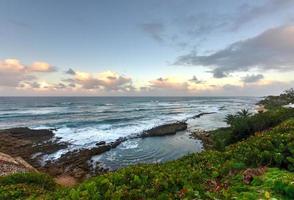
<point>129,144</point>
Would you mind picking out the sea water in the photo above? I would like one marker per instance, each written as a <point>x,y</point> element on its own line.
<point>84,121</point>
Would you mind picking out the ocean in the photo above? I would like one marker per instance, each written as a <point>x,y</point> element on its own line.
<point>84,121</point>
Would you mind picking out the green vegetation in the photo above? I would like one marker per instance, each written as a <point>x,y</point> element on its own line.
<point>208,175</point>
<point>243,124</point>
<point>278,101</point>
<point>25,185</point>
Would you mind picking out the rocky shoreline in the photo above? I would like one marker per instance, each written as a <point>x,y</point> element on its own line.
<point>31,145</point>
<point>204,136</point>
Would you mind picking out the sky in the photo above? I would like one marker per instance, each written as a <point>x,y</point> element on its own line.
<point>146,47</point>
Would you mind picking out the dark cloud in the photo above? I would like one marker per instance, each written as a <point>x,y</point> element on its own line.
<point>167,84</point>
<point>202,24</point>
<point>155,30</point>
<point>247,12</point>
<point>111,77</point>
<point>272,49</point>
<point>195,80</point>
<point>35,85</point>
<point>252,78</point>
<point>254,89</point>
<point>60,86</point>
<point>191,24</point>
<point>70,72</point>
<point>162,79</point>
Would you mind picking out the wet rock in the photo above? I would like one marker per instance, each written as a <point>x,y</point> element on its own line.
<point>201,114</point>
<point>78,163</point>
<point>166,129</point>
<point>204,136</point>
<point>30,134</point>
<point>27,143</point>
<point>117,142</point>
<point>33,144</point>
<point>100,143</point>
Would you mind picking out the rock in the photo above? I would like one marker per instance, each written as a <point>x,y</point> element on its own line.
<point>166,129</point>
<point>204,113</point>
<point>117,142</point>
<point>10,165</point>
<point>250,173</point>
<point>204,136</point>
<point>79,173</point>
<point>100,143</point>
<point>30,134</point>
<point>54,171</point>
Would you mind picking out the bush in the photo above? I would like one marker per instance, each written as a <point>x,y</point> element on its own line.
<point>278,101</point>
<point>245,125</point>
<point>41,180</point>
<point>25,185</point>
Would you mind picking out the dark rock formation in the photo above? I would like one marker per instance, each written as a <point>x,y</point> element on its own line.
<point>76,163</point>
<point>25,142</point>
<point>204,136</point>
<point>100,143</point>
<point>166,129</point>
<point>204,113</point>
<point>31,145</point>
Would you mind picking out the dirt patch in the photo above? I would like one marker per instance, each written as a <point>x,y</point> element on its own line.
<point>66,181</point>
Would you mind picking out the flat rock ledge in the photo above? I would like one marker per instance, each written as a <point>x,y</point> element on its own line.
<point>166,129</point>
<point>78,164</point>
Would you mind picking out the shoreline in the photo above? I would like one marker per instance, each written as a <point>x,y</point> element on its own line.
<point>32,145</point>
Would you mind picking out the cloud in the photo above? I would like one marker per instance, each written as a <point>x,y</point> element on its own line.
<point>70,72</point>
<point>190,24</point>
<point>15,74</point>
<point>195,80</point>
<point>108,81</point>
<point>271,50</point>
<point>255,89</point>
<point>168,83</point>
<point>247,13</point>
<point>252,78</point>
<point>202,23</point>
<point>155,30</point>
<point>41,67</point>
<point>12,72</point>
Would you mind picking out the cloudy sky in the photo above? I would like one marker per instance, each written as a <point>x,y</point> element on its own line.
<point>144,48</point>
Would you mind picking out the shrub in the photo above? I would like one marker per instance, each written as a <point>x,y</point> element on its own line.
<point>244,125</point>
<point>41,180</point>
